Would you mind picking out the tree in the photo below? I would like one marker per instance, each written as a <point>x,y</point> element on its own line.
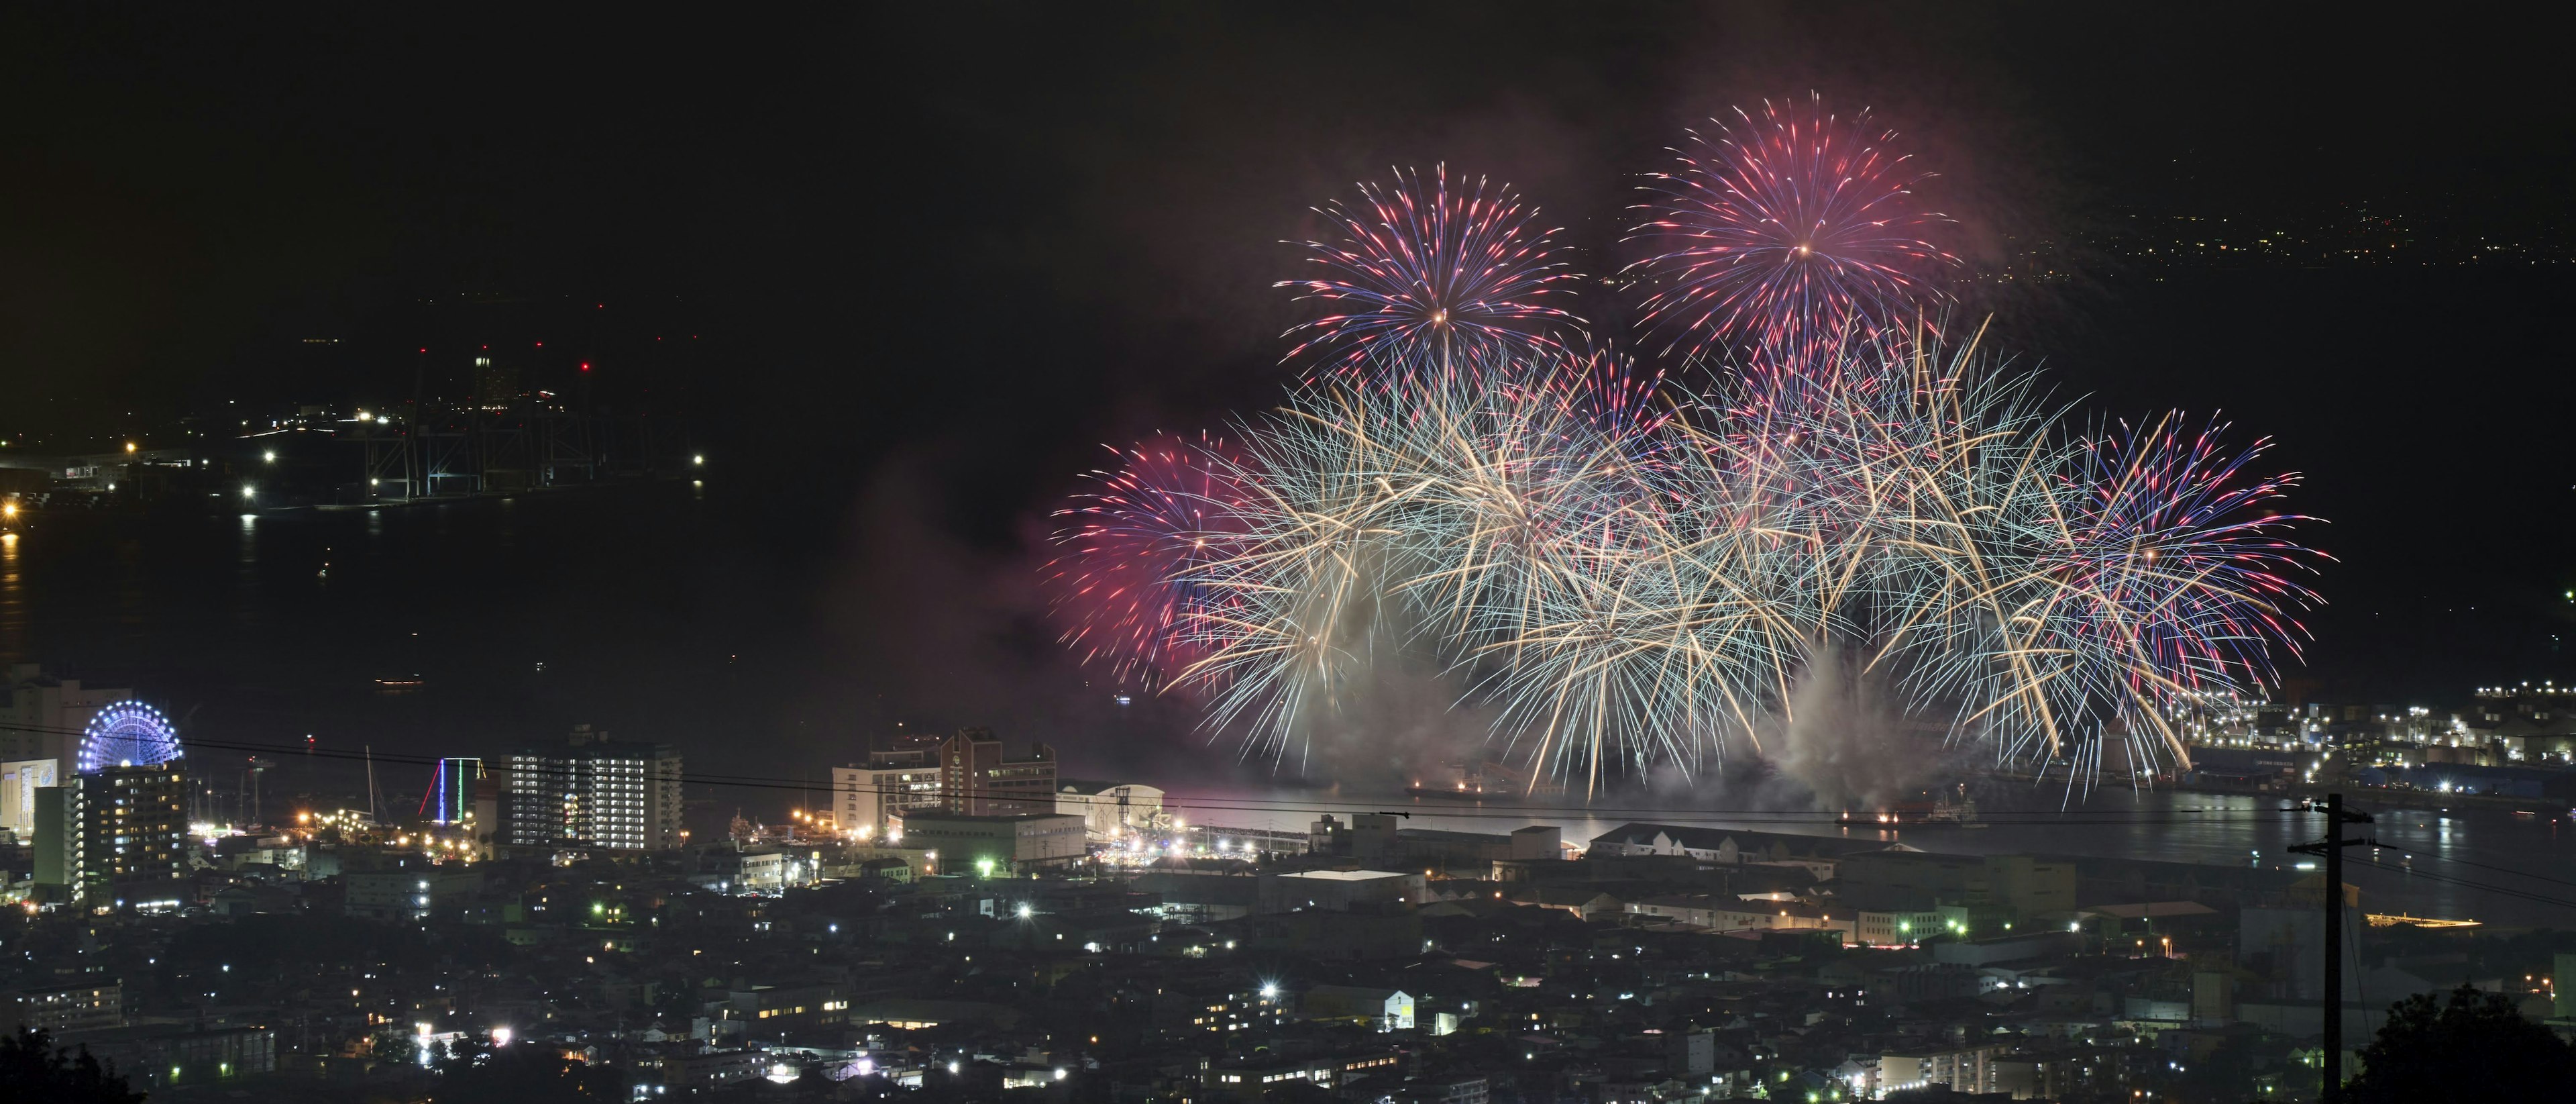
<point>34,1071</point>
<point>2474,1047</point>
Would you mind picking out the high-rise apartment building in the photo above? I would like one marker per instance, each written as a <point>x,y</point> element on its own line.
<point>591,791</point>
<point>116,836</point>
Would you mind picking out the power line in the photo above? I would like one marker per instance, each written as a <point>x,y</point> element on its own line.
<point>2501,891</point>
<point>2503,870</point>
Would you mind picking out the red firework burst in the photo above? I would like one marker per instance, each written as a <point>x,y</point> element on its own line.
<point>1785,234</point>
<point>1124,585</point>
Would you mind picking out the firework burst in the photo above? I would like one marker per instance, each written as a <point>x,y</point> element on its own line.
<point>1465,272</point>
<point>1784,232</point>
<point>1628,574</point>
<point>1123,584</point>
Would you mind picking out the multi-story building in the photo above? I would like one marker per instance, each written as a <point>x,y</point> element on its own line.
<point>993,844</point>
<point>1113,810</point>
<point>978,777</point>
<point>84,1006</point>
<point>591,791</point>
<point>867,795</point>
<point>116,836</point>
<point>968,773</point>
<point>1965,1070</point>
<point>1217,1011</point>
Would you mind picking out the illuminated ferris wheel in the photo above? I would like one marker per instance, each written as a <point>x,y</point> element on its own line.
<point>127,733</point>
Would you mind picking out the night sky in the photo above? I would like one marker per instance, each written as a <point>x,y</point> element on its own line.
<point>928,258</point>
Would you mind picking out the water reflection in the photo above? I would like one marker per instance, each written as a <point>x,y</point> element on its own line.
<point>13,602</point>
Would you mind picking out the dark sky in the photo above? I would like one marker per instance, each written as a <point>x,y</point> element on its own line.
<point>937,254</point>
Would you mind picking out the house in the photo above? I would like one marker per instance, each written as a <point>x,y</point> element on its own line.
<point>1385,1009</point>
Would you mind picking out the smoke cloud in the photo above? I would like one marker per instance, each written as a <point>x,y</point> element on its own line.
<point>1842,741</point>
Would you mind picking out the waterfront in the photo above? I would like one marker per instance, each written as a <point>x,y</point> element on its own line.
<point>664,611</point>
<point>2534,855</point>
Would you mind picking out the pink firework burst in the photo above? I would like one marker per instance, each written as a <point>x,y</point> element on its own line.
<point>1422,267</point>
<point>1786,234</point>
<point>1125,585</point>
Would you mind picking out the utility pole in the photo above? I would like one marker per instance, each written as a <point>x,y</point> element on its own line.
<point>2332,848</point>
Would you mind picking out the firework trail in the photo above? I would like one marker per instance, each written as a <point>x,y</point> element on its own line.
<point>1463,272</point>
<point>1122,584</point>
<point>1786,232</point>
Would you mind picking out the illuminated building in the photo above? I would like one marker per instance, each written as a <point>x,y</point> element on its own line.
<point>966,773</point>
<point>989,845</point>
<point>892,779</point>
<point>114,833</point>
<point>591,791</point>
<point>79,1006</point>
<point>1112,810</point>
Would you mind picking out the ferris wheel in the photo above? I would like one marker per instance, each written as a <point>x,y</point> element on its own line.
<point>125,734</point>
